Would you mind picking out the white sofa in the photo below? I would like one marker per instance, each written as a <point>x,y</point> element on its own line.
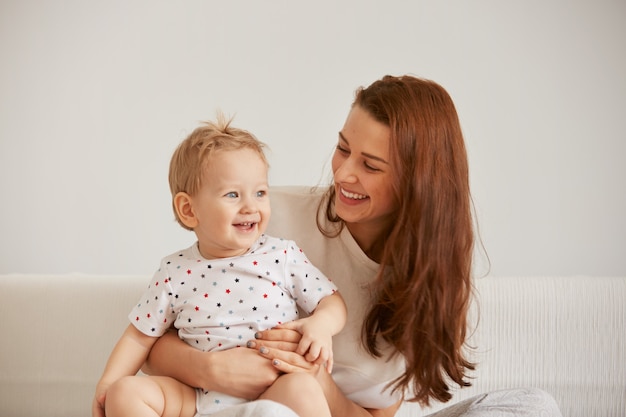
<point>564,335</point>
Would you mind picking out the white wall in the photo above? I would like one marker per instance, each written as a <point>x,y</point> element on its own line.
<point>94,96</point>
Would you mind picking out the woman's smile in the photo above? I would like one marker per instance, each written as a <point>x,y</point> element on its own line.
<point>351,195</point>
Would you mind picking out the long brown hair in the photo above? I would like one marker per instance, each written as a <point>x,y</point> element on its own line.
<point>423,289</point>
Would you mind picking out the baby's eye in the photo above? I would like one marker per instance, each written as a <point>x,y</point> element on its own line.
<point>261,193</point>
<point>232,194</point>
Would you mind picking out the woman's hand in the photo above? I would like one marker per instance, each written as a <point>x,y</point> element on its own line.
<point>239,372</point>
<point>280,345</point>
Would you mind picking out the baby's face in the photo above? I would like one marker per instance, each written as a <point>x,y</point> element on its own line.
<point>232,206</point>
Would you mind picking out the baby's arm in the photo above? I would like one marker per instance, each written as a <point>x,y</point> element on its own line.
<point>127,357</point>
<point>317,330</point>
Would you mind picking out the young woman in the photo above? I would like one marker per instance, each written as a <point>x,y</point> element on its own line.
<point>394,232</point>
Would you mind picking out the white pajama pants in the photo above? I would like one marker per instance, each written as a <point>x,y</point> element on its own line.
<point>523,402</point>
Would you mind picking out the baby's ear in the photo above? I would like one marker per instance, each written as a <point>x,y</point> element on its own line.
<point>184,210</point>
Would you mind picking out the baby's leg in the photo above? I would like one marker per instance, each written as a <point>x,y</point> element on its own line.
<point>301,392</point>
<point>140,396</point>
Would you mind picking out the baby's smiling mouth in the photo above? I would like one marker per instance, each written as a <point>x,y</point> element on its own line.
<point>245,225</point>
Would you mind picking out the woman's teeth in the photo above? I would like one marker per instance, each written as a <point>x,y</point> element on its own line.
<point>352,196</point>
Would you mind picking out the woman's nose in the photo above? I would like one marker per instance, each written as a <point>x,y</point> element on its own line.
<point>345,172</point>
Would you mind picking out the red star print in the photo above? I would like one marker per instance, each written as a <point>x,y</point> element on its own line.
<point>264,295</point>
<point>206,295</point>
<point>137,318</point>
<point>197,308</point>
<point>227,291</point>
<point>148,315</point>
<point>255,263</point>
<point>189,272</point>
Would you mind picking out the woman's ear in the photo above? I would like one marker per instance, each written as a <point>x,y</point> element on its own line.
<point>184,210</point>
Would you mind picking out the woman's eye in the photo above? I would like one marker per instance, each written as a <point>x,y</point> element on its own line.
<point>342,150</point>
<point>232,194</point>
<point>369,167</point>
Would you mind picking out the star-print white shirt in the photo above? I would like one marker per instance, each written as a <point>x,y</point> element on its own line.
<point>221,303</point>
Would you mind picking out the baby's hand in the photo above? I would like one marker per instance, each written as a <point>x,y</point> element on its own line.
<point>316,344</point>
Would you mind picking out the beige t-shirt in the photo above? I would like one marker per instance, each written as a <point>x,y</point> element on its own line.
<point>360,376</point>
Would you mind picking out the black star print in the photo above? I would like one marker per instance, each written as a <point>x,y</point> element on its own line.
<point>253,308</point>
<point>219,304</point>
<point>276,261</point>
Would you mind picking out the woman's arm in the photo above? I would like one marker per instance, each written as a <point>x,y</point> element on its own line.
<point>239,372</point>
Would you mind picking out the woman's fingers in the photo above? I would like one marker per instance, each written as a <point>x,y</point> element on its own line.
<point>280,334</point>
<point>291,361</point>
<point>279,339</point>
<point>287,368</point>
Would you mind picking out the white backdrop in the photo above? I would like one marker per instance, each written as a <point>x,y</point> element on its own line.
<point>94,96</point>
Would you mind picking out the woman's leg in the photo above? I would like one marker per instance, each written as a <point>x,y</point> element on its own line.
<point>301,392</point>
<point>523,402</point>
<point>140,396</point>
